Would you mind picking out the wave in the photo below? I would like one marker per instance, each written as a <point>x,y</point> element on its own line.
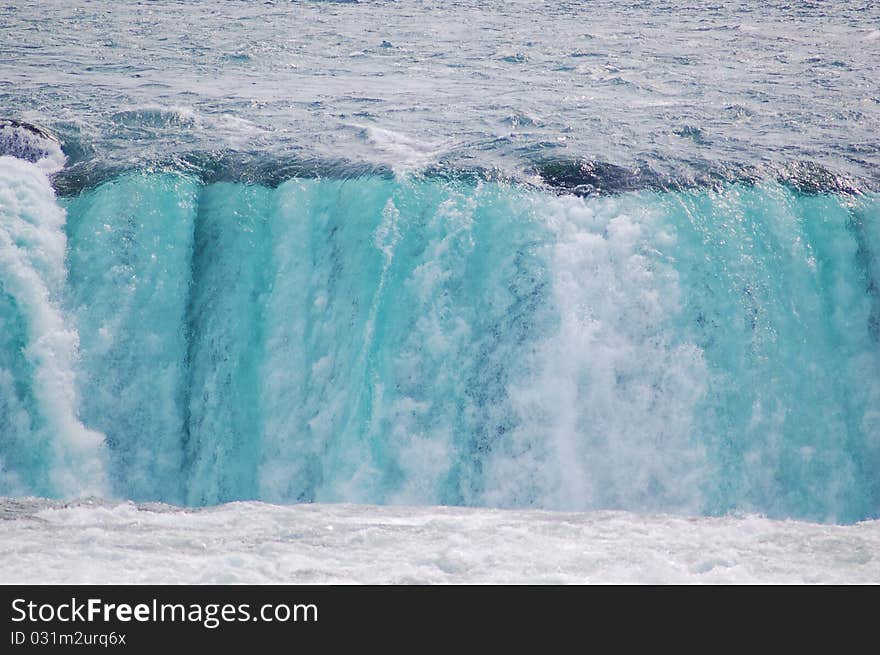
<point>31,143</point>
<point>580,177</point>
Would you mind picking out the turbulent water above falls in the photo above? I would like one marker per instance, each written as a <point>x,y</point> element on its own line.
<point>417,341</point>
<point>678,87</point>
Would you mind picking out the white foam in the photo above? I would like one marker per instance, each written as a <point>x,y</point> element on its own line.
<point>32,252</point>
<point>42,150</point>
<point>362,544</point>
<point>605,419</point>
<point>407,153</point>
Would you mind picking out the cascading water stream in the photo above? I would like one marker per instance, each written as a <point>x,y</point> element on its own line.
<point>424,341</point>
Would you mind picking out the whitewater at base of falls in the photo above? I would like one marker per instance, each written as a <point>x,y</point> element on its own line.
<point>239,543</point>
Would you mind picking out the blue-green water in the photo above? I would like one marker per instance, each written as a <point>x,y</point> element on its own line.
<point>416,341</point>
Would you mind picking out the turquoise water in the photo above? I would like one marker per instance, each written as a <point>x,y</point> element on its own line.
<point>416,341</point>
